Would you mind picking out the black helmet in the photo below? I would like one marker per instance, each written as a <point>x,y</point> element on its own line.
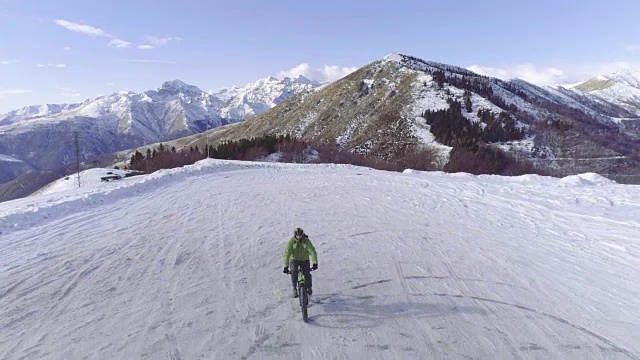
<point>298,233</point>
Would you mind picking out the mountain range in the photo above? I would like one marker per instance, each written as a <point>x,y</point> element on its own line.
<point>381,110</point>
<point>42,137</point>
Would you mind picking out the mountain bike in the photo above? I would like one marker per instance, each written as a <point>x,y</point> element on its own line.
<point>303,297</point>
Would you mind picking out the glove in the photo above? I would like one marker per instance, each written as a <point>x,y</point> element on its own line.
<point>315,267</point>
<point>286,270</point>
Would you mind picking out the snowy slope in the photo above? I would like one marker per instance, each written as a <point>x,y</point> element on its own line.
<point>626,76</point>
<point>623,95</point>
<point>621,88</point>
<point>186,263</point>
<point>91,178</point>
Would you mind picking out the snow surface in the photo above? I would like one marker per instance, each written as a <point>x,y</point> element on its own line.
<point>186,263</point>
<point>621,94</point>
<point>394,57</point>
<point>344,138</point>
<point>628,77</point>
<point>426,97</point>
<point>90,177</point>
<point>524,146</point>
<point>624,93</point>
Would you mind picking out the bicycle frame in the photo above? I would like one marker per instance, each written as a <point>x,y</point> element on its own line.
<point>302,295</point>
<point>300,278</point>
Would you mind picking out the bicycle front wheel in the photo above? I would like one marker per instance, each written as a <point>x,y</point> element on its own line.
<point>304,301</point>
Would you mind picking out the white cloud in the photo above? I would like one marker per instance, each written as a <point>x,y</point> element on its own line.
<point>150,61</point>
<point>15,92</point>
<point>324,74</point>
<point>527,72</point>
<point>608,68</point>
<point>151,42</point>
<point>632,47</point>
<point>119,43</point>
<point>93,32</point>
<point>67,48</point>
<point>59,66</point>
<point>9,62</point>
<point>82,29</point>
<point>554,75</point>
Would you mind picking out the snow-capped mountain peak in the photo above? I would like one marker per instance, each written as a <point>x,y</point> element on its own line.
<point>34,111</point>
<point>621,88</point>
<point>625,77</point>
<point>303,80</point>
<point>179,86</point>
<point>628,77</point>
<point>260,96</point>
<point>393,57</point>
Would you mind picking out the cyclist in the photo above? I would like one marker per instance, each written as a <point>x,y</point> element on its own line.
<point>296,257</point>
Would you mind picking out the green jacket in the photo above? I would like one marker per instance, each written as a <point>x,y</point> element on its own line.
<point>299,251</point>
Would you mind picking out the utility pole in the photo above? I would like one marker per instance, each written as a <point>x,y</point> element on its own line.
<point>76,142</point>
<point>206,144</point>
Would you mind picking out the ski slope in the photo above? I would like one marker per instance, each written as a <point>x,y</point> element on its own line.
<point>186,264</point>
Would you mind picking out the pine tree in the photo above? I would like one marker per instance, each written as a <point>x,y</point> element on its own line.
<point>467,101</point>
<point>439,77</point>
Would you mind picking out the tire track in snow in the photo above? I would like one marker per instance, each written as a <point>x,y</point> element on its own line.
<point>582,329</point>
<point>430,340</point>
<point>12,287</point>
<point>170,278</point>
<point>463,288</point>
<point>76,276</point>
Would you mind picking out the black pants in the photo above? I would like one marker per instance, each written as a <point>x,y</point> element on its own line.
<point>305,266</point>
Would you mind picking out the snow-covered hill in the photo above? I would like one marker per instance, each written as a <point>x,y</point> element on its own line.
<point>621,88</point>
<point>186,263</point>
<point>42,136</point>
<point>92,178</point>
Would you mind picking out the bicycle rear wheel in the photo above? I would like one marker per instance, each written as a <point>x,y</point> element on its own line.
<point>304,300</point>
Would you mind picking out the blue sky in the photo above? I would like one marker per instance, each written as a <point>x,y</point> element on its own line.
<point>67,51</point>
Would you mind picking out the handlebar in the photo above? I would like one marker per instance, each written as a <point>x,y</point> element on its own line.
<point>289,272</point>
